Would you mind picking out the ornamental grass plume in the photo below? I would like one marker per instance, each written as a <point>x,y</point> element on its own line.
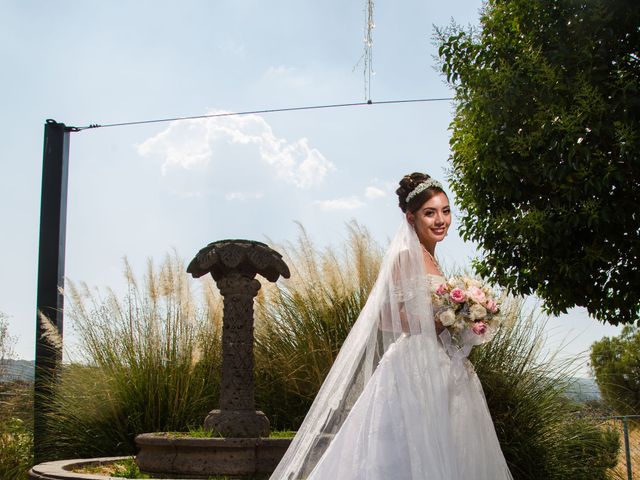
<point>151,362</point>
<point>301,322</point>
<point>50,332</point>
<point>147,362</point>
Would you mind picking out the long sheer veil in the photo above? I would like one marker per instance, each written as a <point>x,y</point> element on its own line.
<point>399,306</point>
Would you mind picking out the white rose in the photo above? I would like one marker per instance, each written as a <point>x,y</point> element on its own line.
<point>477,312</point>
<point>447,317</point>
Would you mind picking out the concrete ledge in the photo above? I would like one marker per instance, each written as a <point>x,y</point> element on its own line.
<point>62,469</point>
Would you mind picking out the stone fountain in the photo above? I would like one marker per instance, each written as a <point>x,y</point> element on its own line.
<point>241,446</point>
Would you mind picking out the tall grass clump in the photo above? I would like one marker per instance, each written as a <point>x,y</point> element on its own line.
<point>151,362</point>
<point>542,432</point>
<point>147,362</point>
<point>301,323</point>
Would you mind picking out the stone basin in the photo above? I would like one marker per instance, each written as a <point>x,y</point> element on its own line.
<point>184,457</point>
<point>189,457</point>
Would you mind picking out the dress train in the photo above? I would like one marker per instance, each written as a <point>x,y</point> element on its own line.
<point>407,425</point>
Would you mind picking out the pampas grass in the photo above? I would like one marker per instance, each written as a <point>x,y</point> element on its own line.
<point>542,432</point>
<point>151,361</point>
<point>148,362</point>
<point>302,322</point>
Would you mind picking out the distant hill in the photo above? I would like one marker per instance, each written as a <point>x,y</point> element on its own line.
<point>580,390</point>
<point>18,370</point>
<point>584,390</point>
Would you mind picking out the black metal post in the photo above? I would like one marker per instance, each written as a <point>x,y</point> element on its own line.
<point>627,451</point>
<point>53,220</point>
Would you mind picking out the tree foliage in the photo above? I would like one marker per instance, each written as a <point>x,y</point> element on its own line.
<point>545,149</point>
<point>616,364</point>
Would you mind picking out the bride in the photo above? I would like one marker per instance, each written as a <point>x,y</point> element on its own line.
<point>394,406</point>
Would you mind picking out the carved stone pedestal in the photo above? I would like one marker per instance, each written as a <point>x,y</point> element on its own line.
<point>244,448</point>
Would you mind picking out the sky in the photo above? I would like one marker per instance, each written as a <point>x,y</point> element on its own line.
<point>147,190</point>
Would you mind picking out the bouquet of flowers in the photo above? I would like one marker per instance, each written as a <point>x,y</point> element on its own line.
<point>467,309</point>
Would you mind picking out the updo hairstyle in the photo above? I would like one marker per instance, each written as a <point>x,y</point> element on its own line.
<point>407,185</point>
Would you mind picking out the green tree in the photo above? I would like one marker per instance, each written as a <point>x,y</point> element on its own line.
<point>616,364</point>
<point>546,151</point>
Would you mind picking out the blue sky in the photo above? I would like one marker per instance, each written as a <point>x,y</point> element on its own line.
<point>142,191</point>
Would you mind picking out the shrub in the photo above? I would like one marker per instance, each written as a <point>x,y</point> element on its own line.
<point>16,449</point>
<point>616,365</point>
<point>542,432</point>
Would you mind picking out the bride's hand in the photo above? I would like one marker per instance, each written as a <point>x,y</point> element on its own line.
<point>439,327</point>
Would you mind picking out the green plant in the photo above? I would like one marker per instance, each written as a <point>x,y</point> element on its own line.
<point>129,469</point>
<point>542,432</point>
<point>616,364</point>
<point>125,468</point>
<point>201,432</point>
<point>16,449</point>
<point>282,434</point>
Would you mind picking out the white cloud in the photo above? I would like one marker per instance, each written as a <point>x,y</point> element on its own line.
<point>347,203</point>
<point>242,196</point>
<point>196,145</point>
<point>280,70</point>
<point>231,47</point>
<point>286,75</point>
<point>374,192</point>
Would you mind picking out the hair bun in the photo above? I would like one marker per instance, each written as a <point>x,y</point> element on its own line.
<point>407,184</point>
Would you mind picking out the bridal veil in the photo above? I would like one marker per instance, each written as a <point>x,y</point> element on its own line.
<point>398,308</point>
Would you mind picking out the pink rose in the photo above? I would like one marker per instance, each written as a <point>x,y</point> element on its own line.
<point>477,294</point>
<point>492,306</point>
<point>442,289</point>
<point>479,328</point>
<point>457,295</point>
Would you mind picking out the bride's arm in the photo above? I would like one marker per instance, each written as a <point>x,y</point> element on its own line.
<point>395,300</point>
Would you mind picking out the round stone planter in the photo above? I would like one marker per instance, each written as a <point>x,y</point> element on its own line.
<point>168,454</point>
<point>63,469</point>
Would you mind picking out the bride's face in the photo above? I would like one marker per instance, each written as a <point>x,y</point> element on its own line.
<point>432,219</point>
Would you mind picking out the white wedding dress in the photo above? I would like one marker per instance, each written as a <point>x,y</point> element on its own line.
<point>395,406</point>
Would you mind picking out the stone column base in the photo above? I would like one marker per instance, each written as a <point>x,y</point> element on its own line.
<point>206,457</point>
<point>238,423</point>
